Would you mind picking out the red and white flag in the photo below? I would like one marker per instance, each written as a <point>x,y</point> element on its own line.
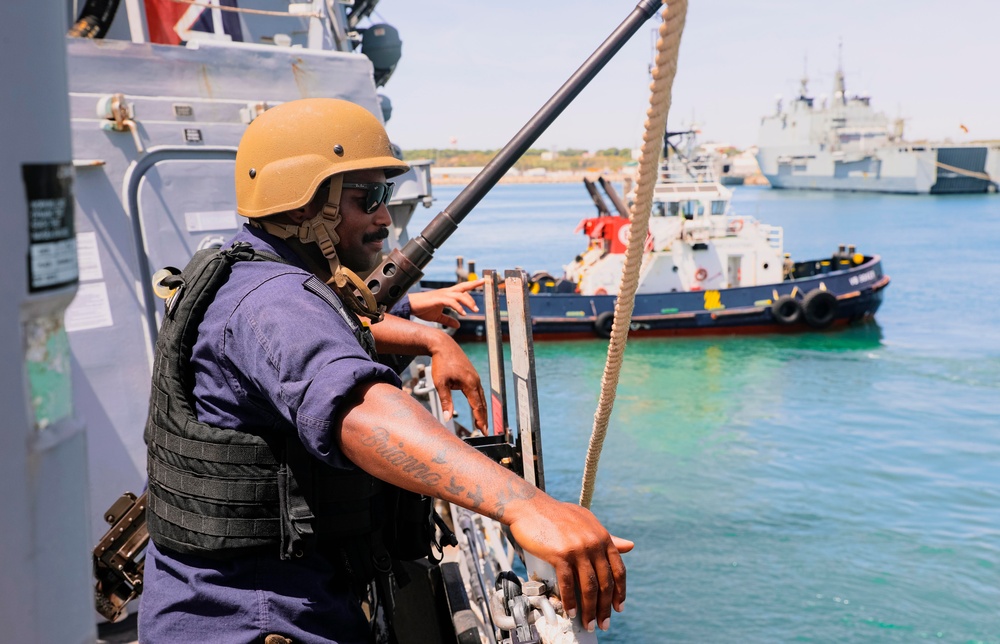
<point>171,22</point>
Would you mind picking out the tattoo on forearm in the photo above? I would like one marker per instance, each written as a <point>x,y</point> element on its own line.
<point>476,496</point>
<point>454,488</point>
<point>397,456</point>
<point>524,491</point>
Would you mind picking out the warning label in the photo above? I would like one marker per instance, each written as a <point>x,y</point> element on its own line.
<point>52,244</point>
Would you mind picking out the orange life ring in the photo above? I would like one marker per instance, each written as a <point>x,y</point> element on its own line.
<point>700,274</point>
<point>736,225</point>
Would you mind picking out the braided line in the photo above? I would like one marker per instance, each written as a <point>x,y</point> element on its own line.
<point>667,48</point>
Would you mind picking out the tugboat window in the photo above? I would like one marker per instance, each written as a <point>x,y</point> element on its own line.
<point>692,208</point>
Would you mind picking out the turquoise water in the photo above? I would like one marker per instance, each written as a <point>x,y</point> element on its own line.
<point>823,487</point>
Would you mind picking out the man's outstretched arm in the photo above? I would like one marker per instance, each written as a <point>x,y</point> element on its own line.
<point>392,437</point>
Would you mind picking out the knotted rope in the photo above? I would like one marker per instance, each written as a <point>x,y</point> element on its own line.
<point>667,47</point>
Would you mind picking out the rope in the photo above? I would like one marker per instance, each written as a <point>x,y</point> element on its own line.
<point>667,47</point>
<point>968,173</point>
<point>260,12</point>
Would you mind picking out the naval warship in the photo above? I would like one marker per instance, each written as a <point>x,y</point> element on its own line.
<point>847,145</point>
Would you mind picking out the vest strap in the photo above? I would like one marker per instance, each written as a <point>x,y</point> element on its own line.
<point>325,293</point>
<point>213,489</point>
<point>216,527</point>
<point>214,452</point>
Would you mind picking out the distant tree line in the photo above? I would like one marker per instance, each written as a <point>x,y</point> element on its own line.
<point>569,159</point>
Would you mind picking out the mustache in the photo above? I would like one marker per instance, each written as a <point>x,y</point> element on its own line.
<point>378,235</point>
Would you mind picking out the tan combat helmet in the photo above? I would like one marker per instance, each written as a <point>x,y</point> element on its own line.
<point>287,153</point>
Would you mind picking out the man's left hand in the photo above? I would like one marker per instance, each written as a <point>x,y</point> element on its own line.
<point>430,305</point>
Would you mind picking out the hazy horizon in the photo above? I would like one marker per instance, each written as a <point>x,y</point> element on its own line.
<point>473,73</point>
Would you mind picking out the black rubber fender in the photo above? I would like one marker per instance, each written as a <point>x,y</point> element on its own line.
<point>603,323</point>
<point>819,308</point>
<point>542,282</point>
<point>538,276</point>
<point>786,310</point>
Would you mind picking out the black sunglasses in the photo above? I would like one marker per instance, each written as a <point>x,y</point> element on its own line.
<point>377,193</point>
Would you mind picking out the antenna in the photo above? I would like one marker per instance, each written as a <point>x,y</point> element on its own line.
<point>804,88</point>
<point>839,89</point>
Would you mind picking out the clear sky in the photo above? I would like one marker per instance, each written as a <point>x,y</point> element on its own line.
<point>476,71</point>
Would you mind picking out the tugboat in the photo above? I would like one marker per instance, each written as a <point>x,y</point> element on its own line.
<point>705,270</point>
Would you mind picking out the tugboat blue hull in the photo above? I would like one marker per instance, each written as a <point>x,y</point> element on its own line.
<point>820,295</point>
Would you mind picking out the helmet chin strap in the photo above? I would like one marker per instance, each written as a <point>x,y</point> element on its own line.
<point>321,231</point>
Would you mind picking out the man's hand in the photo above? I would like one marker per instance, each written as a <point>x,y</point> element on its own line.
<point>430,305</point>
<point>392,437</point>
<point>451,369</point>
<point>585,557</point>
<point>449,364</point>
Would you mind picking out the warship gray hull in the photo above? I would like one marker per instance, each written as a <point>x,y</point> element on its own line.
<point>916,170</point>
<point>848,146</point>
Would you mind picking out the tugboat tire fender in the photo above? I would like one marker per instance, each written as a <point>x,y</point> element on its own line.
<point>540,280</point>
<point>603,323</point>
<point>538,276</point>
<point>819,308</point>
<point>786,310</point>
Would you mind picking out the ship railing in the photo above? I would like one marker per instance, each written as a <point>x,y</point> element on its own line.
<point>729,224</point>
<point>684,192</point>
<point>676,170</point>
<point>732,224</point>
<point>720,227</point>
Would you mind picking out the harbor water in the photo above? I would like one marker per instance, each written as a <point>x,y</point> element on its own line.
<point>839,486</point>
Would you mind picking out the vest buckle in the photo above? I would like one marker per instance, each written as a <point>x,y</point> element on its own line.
<point>240,251</point>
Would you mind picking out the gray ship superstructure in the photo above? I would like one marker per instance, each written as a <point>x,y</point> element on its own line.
<point>154,131</point>
<point>847,145</point>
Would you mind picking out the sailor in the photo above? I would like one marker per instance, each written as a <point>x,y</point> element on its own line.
<point>275,436</point>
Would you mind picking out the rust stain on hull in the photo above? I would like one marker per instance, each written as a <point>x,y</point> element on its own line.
<point>301,75</point>
<point>206,82</point>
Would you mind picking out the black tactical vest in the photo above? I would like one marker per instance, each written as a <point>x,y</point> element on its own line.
<point>222,493</point>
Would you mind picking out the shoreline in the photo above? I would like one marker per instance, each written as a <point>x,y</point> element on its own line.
<point>446,179</point>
